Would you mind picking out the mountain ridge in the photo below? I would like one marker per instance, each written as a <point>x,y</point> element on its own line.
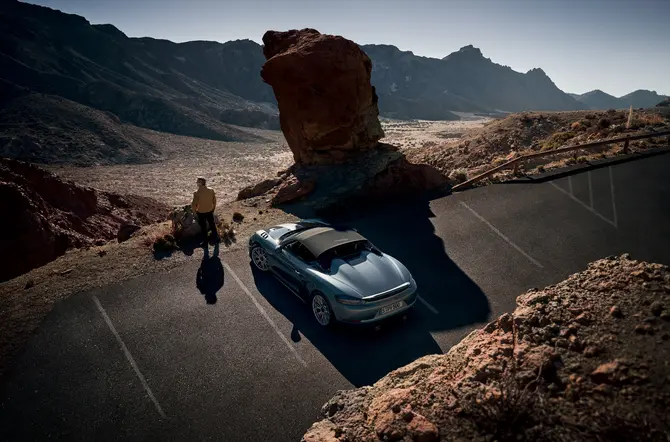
<point>200,88</point>
<point>600,100</point>
<point>464,80</point>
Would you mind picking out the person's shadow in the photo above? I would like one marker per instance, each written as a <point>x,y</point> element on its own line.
<point>209,278</point>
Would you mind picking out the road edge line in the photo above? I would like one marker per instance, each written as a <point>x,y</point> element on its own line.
<point>264,314</point>
<point>129,356</point>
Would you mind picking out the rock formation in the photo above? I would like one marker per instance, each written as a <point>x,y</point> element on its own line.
<point>327,107</point>
<point>44,216</point>
<point>585,360</point>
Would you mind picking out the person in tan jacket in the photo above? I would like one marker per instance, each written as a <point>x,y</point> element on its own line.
<point>203,205</point>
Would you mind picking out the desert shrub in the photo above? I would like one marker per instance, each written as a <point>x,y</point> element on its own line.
<point>570,161</point>
<point>604,123</point>
<point>540,169</point>
<point>590,116</point>
<point>238,217</point>
<point>557,140</point>
<point>226,232</point>
<point>611,111</point>
<point>647,119</point>
<point>151,236</point>
<point>618,129</point>
<point>459,175</point>
<point>165,244</point>
<point>578,126</point>
<point>581,159</point>
<point>508,411</point>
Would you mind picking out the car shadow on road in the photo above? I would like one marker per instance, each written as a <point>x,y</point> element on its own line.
<point>403,230</point>
<point>361,354</point>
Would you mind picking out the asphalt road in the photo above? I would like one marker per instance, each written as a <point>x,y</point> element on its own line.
<point>156,359</point>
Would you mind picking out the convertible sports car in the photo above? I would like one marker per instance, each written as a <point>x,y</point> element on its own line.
<point>336,271</point>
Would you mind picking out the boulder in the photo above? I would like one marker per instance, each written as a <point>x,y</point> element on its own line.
<point>327,106</point>
<point>258,189</point>
<point>292,190</point>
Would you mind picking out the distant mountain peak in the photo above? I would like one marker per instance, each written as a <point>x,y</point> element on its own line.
<point>471,49</point>
<point>468,52</point>
<point>597,92</point>
<point>538,72</point>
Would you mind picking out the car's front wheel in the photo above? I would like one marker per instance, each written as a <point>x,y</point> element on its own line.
<point>321,310</point>
<point>260,258</point>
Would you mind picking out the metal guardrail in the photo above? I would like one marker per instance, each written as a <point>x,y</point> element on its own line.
<point>514,163</point>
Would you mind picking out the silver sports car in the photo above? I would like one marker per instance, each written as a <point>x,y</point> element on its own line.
<point>336,271</point>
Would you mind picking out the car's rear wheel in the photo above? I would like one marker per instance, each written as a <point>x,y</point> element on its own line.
<point>321,310</point>
<point>260,258</point>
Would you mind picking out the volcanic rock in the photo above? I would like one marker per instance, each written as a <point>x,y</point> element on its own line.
<point>44,216</point>
<point>327,106</point>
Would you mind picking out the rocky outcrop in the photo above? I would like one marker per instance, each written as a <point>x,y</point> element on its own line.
<point>44,216</point>
<point>327,107</point>
<point>329,116</point>
<point>585,359</point>
<point>376,176</point>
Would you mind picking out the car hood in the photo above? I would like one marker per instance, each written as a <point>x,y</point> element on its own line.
<point>368,274</point>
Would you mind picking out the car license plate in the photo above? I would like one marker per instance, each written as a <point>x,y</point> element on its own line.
<point>390,308</point>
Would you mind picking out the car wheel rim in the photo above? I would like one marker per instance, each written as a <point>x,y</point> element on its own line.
<point>260,258</point>
<point>321,310</point>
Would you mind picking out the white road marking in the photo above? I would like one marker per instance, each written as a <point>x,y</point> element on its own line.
<point>129,356</point>
<point>428,306</point>
<point>501,235</point>
<point>264,314</point>
<point>584,205</point>
<point>612,193</point>
<point>590,189</point>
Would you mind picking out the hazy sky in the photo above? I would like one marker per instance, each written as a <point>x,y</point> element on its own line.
<point>614,45</point>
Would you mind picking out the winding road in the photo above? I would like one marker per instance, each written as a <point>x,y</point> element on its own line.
<point>174,356</point>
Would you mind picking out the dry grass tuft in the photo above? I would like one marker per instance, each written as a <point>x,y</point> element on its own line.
<point>648,119</point>
<point>159,231</point>
<point>557,140</point>
<point>459,175</point>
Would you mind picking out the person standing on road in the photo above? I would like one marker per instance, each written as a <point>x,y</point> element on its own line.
<point>203,205</point>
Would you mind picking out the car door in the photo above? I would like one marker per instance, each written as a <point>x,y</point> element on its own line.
<point>286,267</point>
